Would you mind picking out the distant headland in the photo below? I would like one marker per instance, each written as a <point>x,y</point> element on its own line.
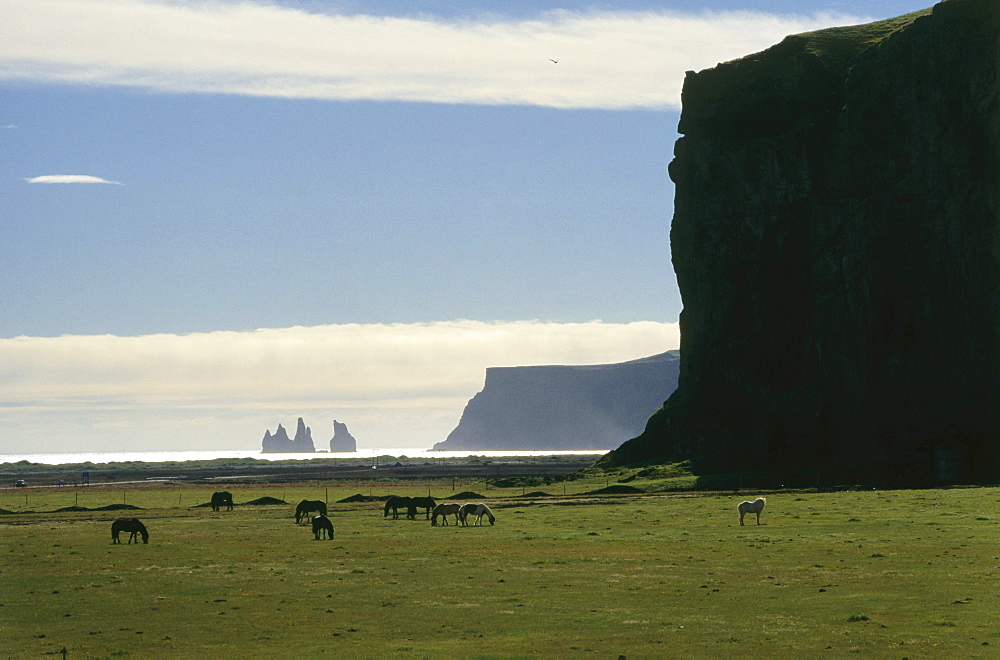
<point>564,407</point>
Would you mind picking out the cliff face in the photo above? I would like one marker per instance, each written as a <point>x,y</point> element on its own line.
<point>836,240</point>
<point>564,407</point>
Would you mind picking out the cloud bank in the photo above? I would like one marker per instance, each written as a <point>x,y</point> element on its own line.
<point>69,178</point>
<point>402,385</point>
<point>607,59</point>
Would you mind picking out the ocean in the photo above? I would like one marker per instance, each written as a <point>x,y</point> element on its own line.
<point>207,455</point>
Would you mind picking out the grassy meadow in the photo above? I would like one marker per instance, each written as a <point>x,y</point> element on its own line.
<point>880,573</point>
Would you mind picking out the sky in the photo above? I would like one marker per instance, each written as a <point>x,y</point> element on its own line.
<point>218,216</point>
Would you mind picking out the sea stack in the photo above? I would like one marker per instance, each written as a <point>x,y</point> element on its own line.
<point>342,440</point>
<point>303,438</point>
<point>281,443</point>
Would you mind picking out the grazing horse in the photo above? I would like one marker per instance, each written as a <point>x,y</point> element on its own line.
<point>222,499</point>
<point>322,524</point>
<point>427,503</point>
<point>747,506</point>
<point>131,525</point>
<point>396,503</point>
<point>477,510</point>
<point>306,507</point>
<point>445,510</point>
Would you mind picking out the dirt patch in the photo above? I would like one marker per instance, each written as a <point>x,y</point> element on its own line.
<point>616,490</point>
<point>362,498</point>
<point>264,501</point>
<point>118,507</point>
<point>466,495</point>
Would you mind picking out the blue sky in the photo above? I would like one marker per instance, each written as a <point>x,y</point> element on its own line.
<point>179,179</point>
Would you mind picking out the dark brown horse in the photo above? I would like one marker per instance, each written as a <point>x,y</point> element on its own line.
<point>306,507</point>
<point>322,524</point>
<point>131,525</point>
<point>222,499</point>
<point>396,503</point>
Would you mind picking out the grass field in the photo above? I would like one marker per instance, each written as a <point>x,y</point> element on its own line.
<point>886,574</point>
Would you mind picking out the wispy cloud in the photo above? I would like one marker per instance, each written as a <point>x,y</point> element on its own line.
<point>394,385</point>
<point>69,178</point>
<point>9,126</point>
<point>606,59</point>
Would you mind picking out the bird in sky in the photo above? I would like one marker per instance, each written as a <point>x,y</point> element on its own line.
<point>553,61</point>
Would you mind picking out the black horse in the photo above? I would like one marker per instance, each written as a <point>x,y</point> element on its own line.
<point>131,525</point>
<point>306,507</point>
<point>322,524</point>
<point>427,503</point>
<point>222,499</point>
<point>396,503</point>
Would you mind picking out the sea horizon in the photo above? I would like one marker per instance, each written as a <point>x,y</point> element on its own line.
<point>63,458</point>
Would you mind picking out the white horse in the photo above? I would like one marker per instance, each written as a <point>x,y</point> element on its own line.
<point>477,510</point>
<point>747,506</point>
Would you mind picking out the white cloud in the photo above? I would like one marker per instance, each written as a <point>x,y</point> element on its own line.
<point>69,178</point>
<point>606,59</point>
<point>401,385</point>
<point>9,126</point>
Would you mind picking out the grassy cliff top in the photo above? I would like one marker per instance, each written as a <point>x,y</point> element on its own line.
<point>844,43</point>
<point>801,75</point>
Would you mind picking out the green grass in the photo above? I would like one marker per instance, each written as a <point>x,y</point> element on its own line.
<point>843,43</point>
<point>891,574</point>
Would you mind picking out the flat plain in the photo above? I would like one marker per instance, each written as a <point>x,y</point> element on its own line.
<point>566,571</point>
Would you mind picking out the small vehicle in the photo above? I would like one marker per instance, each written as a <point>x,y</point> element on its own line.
<point>20,483</point>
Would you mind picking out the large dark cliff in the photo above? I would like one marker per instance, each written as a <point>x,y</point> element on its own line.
<point>836,239</point>
<point>564,407</point>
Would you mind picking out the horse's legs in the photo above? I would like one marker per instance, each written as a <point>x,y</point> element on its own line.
<point>741,517</point>
<point>758,517</point>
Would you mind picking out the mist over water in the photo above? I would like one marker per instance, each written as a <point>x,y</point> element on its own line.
<point>371,454</point>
